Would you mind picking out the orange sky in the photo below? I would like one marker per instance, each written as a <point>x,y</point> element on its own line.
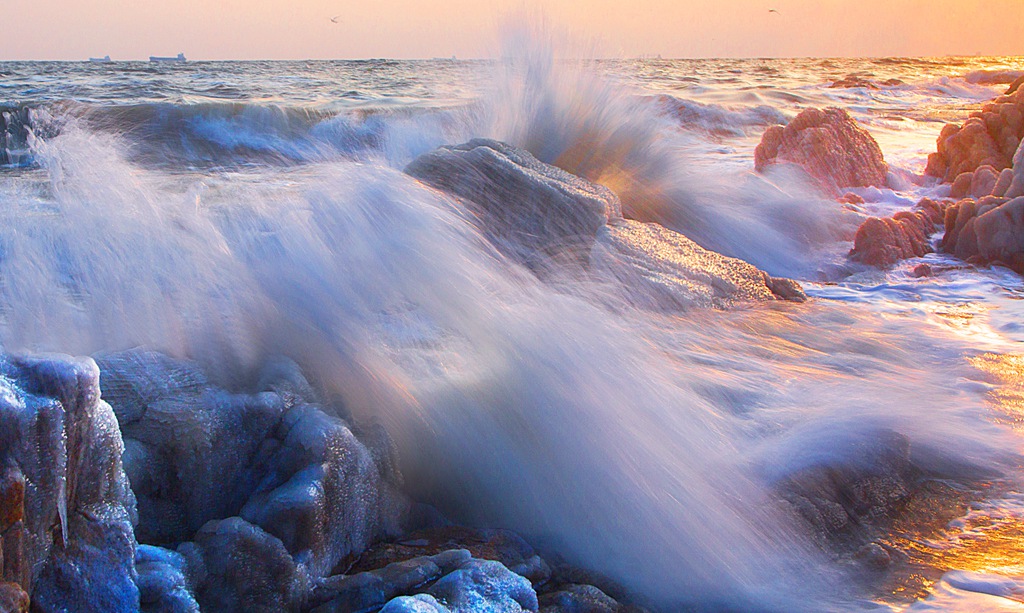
<point>243,29</point>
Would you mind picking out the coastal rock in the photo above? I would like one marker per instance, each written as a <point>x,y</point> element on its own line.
<point>986,231</point>
<point>882,242</point>
<point>67,508</point>
<point>537,213</point>
<point>163,587</point>
<point>245,474</point>
<point>237,566</point>
<point>988,137</point>
<point>530,210</point>
<point>667,271</point>
<point>829,145</point>
<point>371,589</point>
<point>850,499</point>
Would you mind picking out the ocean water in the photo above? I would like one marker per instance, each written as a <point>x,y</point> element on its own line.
<point>234,211</point>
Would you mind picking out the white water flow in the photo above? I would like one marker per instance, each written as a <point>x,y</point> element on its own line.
<point>644,445</point>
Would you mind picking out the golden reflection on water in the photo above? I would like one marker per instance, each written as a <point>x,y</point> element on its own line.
<point>986,539</point>
<point>1006,370</point>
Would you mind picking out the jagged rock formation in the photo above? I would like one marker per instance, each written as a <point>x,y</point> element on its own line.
<point>260,493</point>
<point>883,242</point>
<point>542,216</point>
<point>829,145</point>
<point>989,227</point>
<point>988,137</point>
<point>65,504</point>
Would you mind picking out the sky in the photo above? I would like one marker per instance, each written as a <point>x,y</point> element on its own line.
<point>302,29</point>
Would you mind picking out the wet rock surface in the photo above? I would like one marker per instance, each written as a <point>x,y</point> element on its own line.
<point>829,145</point>
<point>527,208</point>
<point>989,137</point>
<point>882,242</point>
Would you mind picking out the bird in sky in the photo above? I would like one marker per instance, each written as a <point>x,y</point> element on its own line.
<point>773,11</point>
<point>335,19</point>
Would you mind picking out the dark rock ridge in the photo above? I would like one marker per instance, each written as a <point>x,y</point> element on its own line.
<point>884,241</point>
<point>989,137</point>
<point>829,145</point>
<point>543,217</point>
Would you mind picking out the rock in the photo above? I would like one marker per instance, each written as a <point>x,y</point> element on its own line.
<point>69,542</point>
<point>986,231</point>
<point>163,587</point>
<point>530,210</point>
<point>1015,85</point>
<point>372,589</point>
<point>197,454</point>
<point>1003,183</point>
<point>851,81</point>
<point>829,145</point>
<point>858,490</point>
<point>665,270</point>
<point>500,545</point>
<point>13,599</point>
<point>1016,187</point>
<point>988,137</point>
<point>578,599</point>
<point>484,585</point>
<point>242,569</point>
<point>873,555</point>
<point>983,181</point>
<point>882,242</point>
<point>923,270</point>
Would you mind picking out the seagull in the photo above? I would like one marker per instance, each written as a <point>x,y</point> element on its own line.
<point>335,19</point>
<point>774,11</point>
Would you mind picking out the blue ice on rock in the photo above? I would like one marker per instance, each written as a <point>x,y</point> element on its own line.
<point>60,449</point>
<point>479,585</point>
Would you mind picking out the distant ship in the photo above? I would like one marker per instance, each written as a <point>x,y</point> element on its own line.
<point>101,60</point>
<point>155,58</point>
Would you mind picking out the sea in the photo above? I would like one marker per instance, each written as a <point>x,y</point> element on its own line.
<point>230,212</point>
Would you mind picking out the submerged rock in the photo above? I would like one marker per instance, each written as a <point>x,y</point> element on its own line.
<point>988,137</point>
<point>543,216</point>
<point>67,509</point>
<point>829,145</point>
<point>883,242</point>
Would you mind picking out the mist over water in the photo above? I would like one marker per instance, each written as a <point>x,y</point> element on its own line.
<point>645,445</point>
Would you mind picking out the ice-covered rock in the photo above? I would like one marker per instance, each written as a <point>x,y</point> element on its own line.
<point>530,210</point>
<point>372,589</point>
<point>883,242</point>
<point>829,145</point>
<point>988,137</point>
<point>263,474</point>
<point>67,510</point>
<point>163,587</point>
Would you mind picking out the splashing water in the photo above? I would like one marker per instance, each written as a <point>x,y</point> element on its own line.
<point>646,445</point>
